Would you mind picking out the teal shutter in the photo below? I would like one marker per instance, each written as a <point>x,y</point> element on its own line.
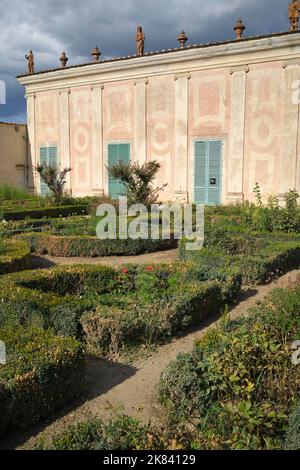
<point>200,172</point>
<point>117,153</point>
<point>214,189</point>
<point>52,155</point>
<point>208,172</point>
<point>44,160</point>
<point>48,156</point>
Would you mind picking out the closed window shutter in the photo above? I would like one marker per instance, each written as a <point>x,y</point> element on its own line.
<point>200,172</point>
<point>117,153</point>
<point>48,156</point>
<point>52,155</point>
<point>44,160</point>
<point>214,155</point>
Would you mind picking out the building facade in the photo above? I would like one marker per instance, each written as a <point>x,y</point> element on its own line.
<point>219,118</point>
<point>15,159</point>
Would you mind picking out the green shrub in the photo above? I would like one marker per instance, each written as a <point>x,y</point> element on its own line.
<point>54,298</point>
<point>15,256</point>
<point>70,280</point>
<point>273,256</point>
<point>9,193</point>
<point>292,438</point>
<point>270,263</point>
<point>239,385</point>
<point>91,246</point>
<point>121,433</point>
<point>49,212</point>
<point>43,372</point>
<point>113,309</point>
<point>112,329</point>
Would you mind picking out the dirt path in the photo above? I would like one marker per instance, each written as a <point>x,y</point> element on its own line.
<point>153,258</point>
<point>132,389</point>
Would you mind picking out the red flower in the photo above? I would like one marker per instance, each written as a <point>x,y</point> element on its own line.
<point>125,271</point>
<point>150,268</point>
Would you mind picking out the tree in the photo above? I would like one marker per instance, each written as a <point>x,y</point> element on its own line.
<point>54,178</point>
<point>138,181</point>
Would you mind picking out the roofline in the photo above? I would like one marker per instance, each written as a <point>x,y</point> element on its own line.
<point>13,123</point>
<point>162,52</point>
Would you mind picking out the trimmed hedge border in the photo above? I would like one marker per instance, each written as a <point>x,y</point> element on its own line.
<point>91,247</point>
<point>292,438</point>
<point>110,329</point>
<point>49,212</point>
<point>114,309</point>
<point>17,259</point>
<point>268,263</point>
<point>43,373</point>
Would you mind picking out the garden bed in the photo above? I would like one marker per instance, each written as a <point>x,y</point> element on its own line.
<point>92,247</point>
<point>239,385</point>
<point>112,310</point>
<point>235,391</point>
<point>39,213</point>
<point>259,258</point>
<point>43,372</point>
<point>15,256</point>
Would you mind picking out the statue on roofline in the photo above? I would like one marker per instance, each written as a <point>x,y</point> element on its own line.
<point>294,13</point>
<point>30,59</point>
<point>140,41</point>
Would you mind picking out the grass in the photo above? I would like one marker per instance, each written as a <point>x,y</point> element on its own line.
<point>9,193</point>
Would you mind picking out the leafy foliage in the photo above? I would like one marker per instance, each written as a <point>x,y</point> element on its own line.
<point>92,247</point>
<point>272,217</point>
<point>14,256</point>
<point>292,438</point>
<point>138,180</point>
<point>54,178</point>
<point>238,386</point>
<point>121,433</point>
<point>43,372</point>
<point>10,193</point>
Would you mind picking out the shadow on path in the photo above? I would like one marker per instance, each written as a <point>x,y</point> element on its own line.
<point>102,376</point>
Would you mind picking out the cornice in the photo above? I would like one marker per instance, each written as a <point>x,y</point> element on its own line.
<point>172,58</point>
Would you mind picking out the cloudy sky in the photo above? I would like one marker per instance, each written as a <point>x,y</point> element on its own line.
<point>75,26</point>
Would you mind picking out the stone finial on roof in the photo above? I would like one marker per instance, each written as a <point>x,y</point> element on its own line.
<point>294,13</point>
<point>30,59</point>
<point>96,54</point>
<point>239,28</point>
<point>63,59</point>
<point>140,41</point>
<point>182,39</point>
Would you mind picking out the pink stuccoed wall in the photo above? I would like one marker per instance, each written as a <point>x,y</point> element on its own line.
<point>162,114</point>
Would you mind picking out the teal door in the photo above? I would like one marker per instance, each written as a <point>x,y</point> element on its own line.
<point>208,172</point>
<point>48,156</point>
<point>117,153</point>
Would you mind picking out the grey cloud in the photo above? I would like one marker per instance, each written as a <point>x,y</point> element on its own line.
<point>49,27</point>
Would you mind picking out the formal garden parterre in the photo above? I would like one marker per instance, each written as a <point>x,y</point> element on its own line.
<point>50,319</point>
<point>238,390</point>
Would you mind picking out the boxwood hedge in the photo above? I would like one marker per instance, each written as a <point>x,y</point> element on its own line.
<point>43,372</point>
<point>113,309</point>
<point>15,256</point>
<point>259,259</point>
<point>239,385</point>
<point>40,213</point>
<point>292,437</point>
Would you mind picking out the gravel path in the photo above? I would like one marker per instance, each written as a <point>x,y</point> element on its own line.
<point>132,388</point>
<point>153,258</point>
